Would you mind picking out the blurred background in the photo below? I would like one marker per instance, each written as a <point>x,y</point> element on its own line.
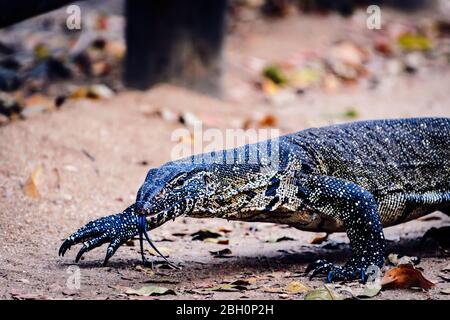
<point>91,94</point>
<point>256,53</point>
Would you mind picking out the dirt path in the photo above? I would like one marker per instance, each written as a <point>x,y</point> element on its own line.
<point>95,155</point>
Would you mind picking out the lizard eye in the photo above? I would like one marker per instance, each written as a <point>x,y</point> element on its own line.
<point>178,181</point>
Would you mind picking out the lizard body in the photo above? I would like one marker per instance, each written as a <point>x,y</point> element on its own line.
<point>357,177</point>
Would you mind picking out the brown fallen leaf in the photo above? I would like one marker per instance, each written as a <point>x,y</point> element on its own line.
<point>217,241</point>
<point>296,287</point>
<point>405,276</point>
<point>319,238</point>
<point>150,291</point>
<point>30,188</point>
<point>224,229</point>
<point>268,120</point>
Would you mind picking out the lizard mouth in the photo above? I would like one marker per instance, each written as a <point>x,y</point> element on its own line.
<point>142,227</point>
<point>159,218</point>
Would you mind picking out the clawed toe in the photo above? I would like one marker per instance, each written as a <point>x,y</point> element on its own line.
<point>319,267</point>
<point>334,273</point>
<point>65,246</point>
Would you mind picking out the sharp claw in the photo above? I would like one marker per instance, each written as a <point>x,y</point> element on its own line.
<point>109,254</point>
<point>313,266</point>
<point>81,252</point>
<point>64,247</point>
<point>317,271</point>
<point>112,248</point>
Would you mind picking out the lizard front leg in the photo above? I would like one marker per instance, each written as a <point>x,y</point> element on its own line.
<point>115,229</point>
<point>357,209</point>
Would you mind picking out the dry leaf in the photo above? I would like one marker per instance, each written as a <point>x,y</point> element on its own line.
<point>30,187</point>
<point>217,241</point>
<point>269,87</point>
<point>224,229</point>
<point>322,294</point>
<point>150,291</point>
<point>319,238</point>
<point>405,276</point>
<point>269,120</point>
<point>296,287</point>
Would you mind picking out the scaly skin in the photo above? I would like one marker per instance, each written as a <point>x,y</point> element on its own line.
<point>357,177</point>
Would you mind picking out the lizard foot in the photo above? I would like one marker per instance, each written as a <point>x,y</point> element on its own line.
<point>115,229</point>
<point>336,273</point>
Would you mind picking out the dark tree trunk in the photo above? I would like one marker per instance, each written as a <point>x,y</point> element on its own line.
<point>177,41</point>
<point>13,11</point>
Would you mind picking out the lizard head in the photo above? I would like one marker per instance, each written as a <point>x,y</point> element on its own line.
<point>170,191</point>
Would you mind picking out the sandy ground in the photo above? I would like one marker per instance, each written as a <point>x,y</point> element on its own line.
<point>95,155</point>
